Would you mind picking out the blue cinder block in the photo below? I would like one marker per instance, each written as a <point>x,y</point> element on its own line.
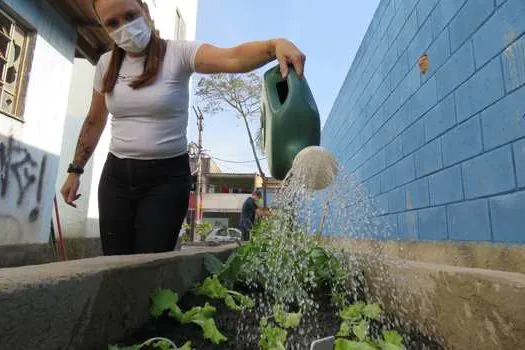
<point>407,225</point>
<point>504,121</point>
<point>513,59</point>
<point>519,159</point>
<point>432,224</point>
<point>464,141</point>
<point>480,91</point>
<point>398,72</point>
<point>396,200</point>
<point>440,118</point>
<point>405,170</point>
<point>387,179</point>
<point>505,26</point>
<point>413,138</point>
<point>446,186</point>
<point>508,219</point>
<point>423,100</point>
<point>421,42</point>
<point>468,19</point>
<point>489,174</point>
<point>417,194</point>
<point>428,158</point>
<point>456,70</point>
<point>438,53</point>
<point>424,8</point>
<point>444,12</point>
<point>394,152</point>
<point>469,221</point>
<point>373,186</point>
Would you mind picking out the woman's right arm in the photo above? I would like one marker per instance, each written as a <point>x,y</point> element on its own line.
<point>91,130</point>
<point>90,133</point>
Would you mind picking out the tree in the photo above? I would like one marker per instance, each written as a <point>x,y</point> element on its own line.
<point>238,92</point>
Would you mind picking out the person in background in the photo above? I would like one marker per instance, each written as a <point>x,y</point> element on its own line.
<point>143,82</point>
<point>248,214</point>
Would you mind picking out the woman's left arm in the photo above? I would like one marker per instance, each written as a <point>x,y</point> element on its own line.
<point>249,56</point>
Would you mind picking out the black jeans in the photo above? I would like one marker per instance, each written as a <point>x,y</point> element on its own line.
<point>142,204</point>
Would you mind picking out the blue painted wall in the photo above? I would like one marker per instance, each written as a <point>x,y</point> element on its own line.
<point>441,153</point>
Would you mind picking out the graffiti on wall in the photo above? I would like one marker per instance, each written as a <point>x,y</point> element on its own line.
<point>22,175</point>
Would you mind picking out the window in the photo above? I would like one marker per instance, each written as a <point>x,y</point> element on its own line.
<point>180,26</point>
<point>13,50</point>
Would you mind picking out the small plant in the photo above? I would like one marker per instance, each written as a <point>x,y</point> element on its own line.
<point>213,288</point>
<point>155,343</point>
<point>274,334</point>
<point>354,331</point>
<point>203,229</point>
<point>165,300</point>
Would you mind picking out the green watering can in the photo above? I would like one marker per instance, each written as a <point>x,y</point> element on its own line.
<point>289,118</point>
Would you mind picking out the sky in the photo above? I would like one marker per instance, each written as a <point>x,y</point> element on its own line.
<point>328,32</point>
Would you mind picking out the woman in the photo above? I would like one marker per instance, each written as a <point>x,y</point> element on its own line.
<point>144,83</point>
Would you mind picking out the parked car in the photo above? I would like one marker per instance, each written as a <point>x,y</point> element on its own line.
<point>223,234</point>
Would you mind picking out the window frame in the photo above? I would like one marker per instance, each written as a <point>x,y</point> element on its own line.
<point>25,64</point>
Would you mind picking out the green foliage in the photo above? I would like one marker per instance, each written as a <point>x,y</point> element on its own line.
<point>213,288</point>
<point>156,343</point>
<point>354,330</point>
<point>344,344</point>
<point>165,300</point>
<point>273,338</point>
<point>273,328</point>
<point>203,317</point>
<point>203,229</point>
<point>213,264</point>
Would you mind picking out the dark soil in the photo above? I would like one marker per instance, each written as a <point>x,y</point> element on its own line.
<point>242,329</point>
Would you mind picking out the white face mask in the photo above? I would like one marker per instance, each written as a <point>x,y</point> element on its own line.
<point>134,36</point>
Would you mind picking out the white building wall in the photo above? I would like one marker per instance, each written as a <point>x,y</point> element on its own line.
<point>83,220</point>
<point>25,204</point>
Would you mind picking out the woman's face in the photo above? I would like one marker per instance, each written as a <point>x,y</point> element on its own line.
<point>113,14</point>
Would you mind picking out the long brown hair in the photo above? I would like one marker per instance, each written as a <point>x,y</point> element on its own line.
<point>156,51</point>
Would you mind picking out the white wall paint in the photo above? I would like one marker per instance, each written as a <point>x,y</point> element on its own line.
<point>39,137</point>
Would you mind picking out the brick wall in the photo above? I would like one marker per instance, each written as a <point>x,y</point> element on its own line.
<point>441,153</point>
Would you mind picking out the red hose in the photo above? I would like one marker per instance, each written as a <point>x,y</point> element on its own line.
<point>63,254</point>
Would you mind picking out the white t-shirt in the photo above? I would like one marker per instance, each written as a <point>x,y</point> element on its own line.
<point>150,122</point>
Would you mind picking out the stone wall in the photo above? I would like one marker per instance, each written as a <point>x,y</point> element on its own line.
<point>441,153</point>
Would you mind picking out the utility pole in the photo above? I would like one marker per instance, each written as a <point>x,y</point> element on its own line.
<point>198,190</point>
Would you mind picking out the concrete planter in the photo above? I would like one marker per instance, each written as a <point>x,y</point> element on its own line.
<point>90,303</point>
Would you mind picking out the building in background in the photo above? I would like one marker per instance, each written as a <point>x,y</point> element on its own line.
<point>48,52</point>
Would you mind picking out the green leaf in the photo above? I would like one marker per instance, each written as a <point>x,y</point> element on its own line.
<point>372,311</point>
<point>213,264</point>
<point>238,302</point>
<point>286,319</point>
<point>132,347</point>
<point>344,344</point>
<point>345,329</point>
<point>360,330</point>
<point>392,340</point>
<point>273,338</point>
<point>212,288</point>
<point>186,346</point>
<point>202,316</point>
<point>162,345</point>
<point>210,331</point>
<point>165,300</point>
<point>353,312</point>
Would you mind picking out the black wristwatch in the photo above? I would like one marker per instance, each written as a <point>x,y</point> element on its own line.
<point>75,169</point>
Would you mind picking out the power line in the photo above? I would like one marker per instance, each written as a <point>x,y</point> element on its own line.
<point>236,162</point>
